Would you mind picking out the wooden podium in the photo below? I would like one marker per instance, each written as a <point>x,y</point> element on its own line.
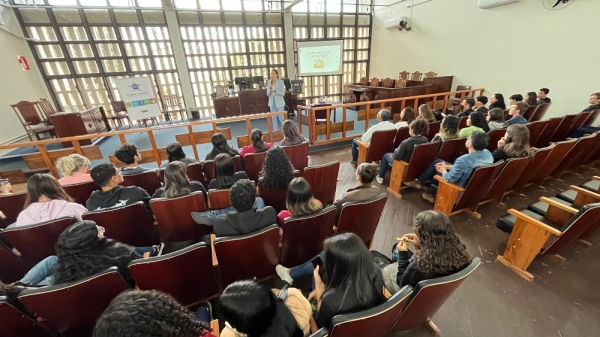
<point>68,124</point>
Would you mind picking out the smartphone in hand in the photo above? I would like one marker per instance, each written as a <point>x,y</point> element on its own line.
<point>317,262</point>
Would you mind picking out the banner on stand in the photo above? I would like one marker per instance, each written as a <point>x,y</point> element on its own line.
<point>139,98</point>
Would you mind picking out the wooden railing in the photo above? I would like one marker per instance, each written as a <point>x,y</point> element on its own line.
<point>309,119</point>
<point>270,135</point>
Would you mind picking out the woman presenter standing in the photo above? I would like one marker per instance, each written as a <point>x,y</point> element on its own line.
<point>276,92</point>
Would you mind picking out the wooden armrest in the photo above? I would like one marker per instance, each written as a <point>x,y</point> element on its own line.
<point>586,192</point>
<point>215,262</point>
<point>362,151</point>
<point>386,293</point>
<point>596,178</point>
<point>556,204</point>
<point>442,180</point>
<point>398,167</point>
<point>446,195</point>
<point>146,255</point>
<point>531,221</point>
<point>214,325</point>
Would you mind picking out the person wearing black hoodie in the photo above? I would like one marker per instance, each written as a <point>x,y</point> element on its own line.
<point>112,195</point>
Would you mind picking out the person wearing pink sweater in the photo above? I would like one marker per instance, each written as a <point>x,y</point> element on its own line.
<point>75,169</point>
<point>46,200</point>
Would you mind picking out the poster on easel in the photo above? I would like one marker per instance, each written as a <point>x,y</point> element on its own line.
<point>138,96</point>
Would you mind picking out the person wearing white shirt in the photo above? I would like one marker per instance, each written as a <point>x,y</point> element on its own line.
<point>384,117</point>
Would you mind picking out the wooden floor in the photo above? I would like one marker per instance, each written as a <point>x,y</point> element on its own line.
<point>563,299</point>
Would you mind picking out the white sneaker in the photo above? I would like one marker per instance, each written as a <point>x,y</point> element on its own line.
<point>283,274</point>
<point>379,179</point>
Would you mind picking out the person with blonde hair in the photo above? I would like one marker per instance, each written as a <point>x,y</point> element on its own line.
<point>426,114</point>
<point>300,200</point>
<point>75,169</point>
<point>514,144</point>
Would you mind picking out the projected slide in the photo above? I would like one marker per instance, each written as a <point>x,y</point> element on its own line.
<point>320,58</point>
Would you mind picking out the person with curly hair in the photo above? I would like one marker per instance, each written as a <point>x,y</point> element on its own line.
<point>475,123</point>
<point>448,129</point>
<point>148,313</point>
<point>257,145</point>
<point>277,170</point>
<point>220,145</point>
<point>438,252</point>
<point>130,156</point>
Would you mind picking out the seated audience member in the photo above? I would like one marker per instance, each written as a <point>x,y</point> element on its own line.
<point>257,145</point>
<point>46,200</point>
<point>175,153</point>
<point>439,115</point>
<point>220,145</point>
<point>128,154</point>
<point>418,135</point>
<point>467,107</point>
<point>542,96</point>
<point>252,309</point>
<point>480,102</point>
<point>300,201</point>
<point>177,183</point>
<point>448,129</point>
<point>462,169</point>
<point>384,119</point>
<point>495,119</point>
<point>514,99</point>
<point>291,134</point>
<point>531,98</point>
<point>497,101</point>
<point>277,170</point>
<point>406,117</point>
<point>426,114</point>
<point>514,144</point>
<point>588,129</point>
<point>112,195</point>
<point>225,175</point>
<point>75,169</point>
<point>148,313</point>
<point>247,218</point>
<point>438,253</point>
<point>475,123</point>
<point>516,111</point>
<point>364,191</point>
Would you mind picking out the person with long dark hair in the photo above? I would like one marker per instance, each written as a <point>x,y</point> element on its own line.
<point>438,252</point>
<point>257,145</point>
<point>406,117</point>
<point>277,170</point>
<point>300,200</point>
<point>291,134</point>
<point>495,119</point>
<point>148,313</point>
<point>177,183</point>
<point>531,98</point>
<point>448,129</point>
<point>475,123</point>
<point>46,200</point>
<point>175,153</point>
<point>497,101</point>
<point>220,145</point>
<point>514,144</point>
<point>253,310</point>
<point>225,175</point>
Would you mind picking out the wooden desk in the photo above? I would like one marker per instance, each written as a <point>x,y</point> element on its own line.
<point>227,107</point>
<point>247,102</point>
<point>68,124</point>
<point>253,101</point>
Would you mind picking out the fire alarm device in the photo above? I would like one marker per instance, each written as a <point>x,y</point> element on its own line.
<point>24,63</point>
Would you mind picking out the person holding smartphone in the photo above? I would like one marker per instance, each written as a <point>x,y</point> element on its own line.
<point>276,93</point>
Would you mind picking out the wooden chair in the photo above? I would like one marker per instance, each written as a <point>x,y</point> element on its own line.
<point>46,107</point>
<point>258,260</point>
<point>186,274</point>
<point>530,170</point>
<point>592,118</point>
<point>375,322</point>
<point>323,181</point>
<point>423,156</point>
<point>208,167</point>
<point>401,134</point>
<point>12,205</point>
<point>544,138</point>
<point>559,152</point>
<point>430,74</point>
<point>275,198</point>
<point>352,218</point>
<point>579,121</point>
<point>364,81</point>
<point>119,113</point>
<point>16,323</point>
<point>540,112</point>
<point>175,223</point>
<point>12,266</point>
<point>320,333</point>
<point>129,224</point>
<point>173,106</point>
<point>572,157</point>
<point>533,234</point>
<point>81,192</point>
<point>298,155</point>
<point>434,128</point>
<point>374,82</point>
<point>148,180</point>
<point>388,83</point>
<point>588,156</point>
<point>428,296</point>
<point>403,75</point>
<point>254,163</point>
<point>33,119</point>
<point>416,76</point>
<point>451,149</point>
<point>511,170</point>
<point>462,123</point>
<point>382,142</point>
<point>302,237</point>
<point>400,83</point>
<point>535,130</point>
<point>529,112</point>
<point>575,197</point>
<point>36,242</point>
<point>458,98</point>
<point>452,199</point>
<point>218,199</point>
<point>495,136</point>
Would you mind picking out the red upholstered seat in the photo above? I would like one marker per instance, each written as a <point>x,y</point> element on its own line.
<point>174,217</point>
<point>323,181</point>
<point>361,217</point>
<point>81,192</point>
<point>148,180</point>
